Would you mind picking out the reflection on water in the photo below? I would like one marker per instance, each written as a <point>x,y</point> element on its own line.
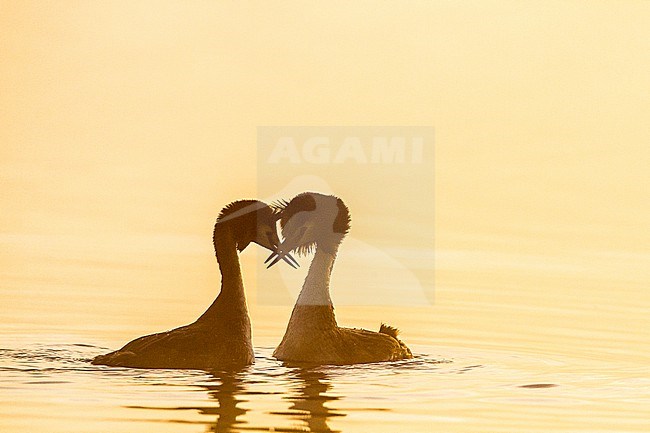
<point>226,393</point>
<point>307,393</point>
<point>309,398</point>
<point>227,389</point>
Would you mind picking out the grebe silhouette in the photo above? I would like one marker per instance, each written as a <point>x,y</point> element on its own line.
<point>312,220</point>
<point>221,337</point>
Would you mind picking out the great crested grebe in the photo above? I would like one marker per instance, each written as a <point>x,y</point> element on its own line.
<point>312,220</point>
<point>221,337</point>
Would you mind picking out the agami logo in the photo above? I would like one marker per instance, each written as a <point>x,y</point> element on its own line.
<point>352,149</point>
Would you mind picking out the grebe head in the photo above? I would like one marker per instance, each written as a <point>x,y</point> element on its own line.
<point>250,221</point>
<point>312,219</point>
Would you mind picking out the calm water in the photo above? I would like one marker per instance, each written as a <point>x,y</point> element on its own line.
<point>53,388</point>
<point>480,365</point>
<point>514,341</point>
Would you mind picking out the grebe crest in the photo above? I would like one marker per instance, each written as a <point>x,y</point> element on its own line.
<point>312,219</point>
<point>249,221</point>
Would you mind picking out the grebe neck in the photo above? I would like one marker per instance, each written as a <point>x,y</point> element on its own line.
<point>316,288</point>
<point>232,298</point>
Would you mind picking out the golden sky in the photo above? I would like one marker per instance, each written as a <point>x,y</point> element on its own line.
<point>126,126</point>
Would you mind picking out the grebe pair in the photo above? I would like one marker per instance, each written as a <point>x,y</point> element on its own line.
<point>221,337</point>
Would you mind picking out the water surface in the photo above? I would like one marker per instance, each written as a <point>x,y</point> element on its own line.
<point>49,385</point>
